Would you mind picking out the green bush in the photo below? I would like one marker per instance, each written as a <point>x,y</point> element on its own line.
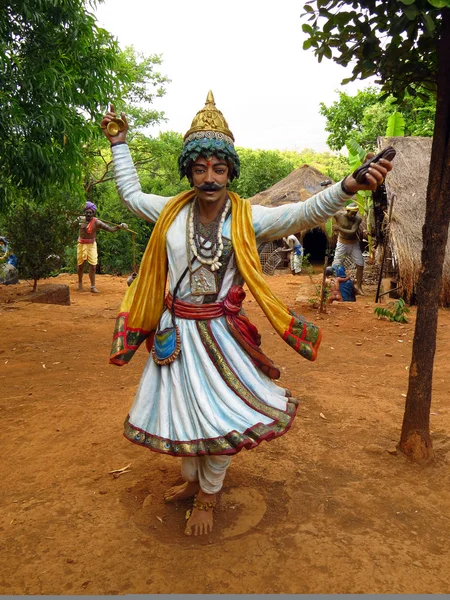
<point>397,314</point>
<point>38,236</point>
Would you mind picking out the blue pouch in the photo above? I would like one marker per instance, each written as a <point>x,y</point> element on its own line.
<point>166,345</point>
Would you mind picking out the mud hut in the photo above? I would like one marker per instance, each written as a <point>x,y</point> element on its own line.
<point>298,186</point>
<point>407,191</point>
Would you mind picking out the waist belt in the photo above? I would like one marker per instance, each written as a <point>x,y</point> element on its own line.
<point>347,241</point>
<point>243,331</point>
<point>83,241</point>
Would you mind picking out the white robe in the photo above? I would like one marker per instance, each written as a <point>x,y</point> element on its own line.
<point>211,399</point>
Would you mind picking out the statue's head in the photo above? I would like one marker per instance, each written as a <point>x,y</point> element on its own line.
<point>89,210</point>
<point>352,210</point>
<point>209,136</point>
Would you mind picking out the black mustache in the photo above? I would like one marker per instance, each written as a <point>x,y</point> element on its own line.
<point>210,187</point>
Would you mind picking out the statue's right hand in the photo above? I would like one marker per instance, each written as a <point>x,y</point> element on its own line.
<point>108,118</point>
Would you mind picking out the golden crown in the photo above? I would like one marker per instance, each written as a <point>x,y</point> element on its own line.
<point>209,118</point>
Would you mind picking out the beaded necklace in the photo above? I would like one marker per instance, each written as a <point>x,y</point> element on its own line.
<point>212,233</point>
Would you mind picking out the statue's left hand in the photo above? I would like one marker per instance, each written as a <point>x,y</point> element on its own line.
<point>375,176</point>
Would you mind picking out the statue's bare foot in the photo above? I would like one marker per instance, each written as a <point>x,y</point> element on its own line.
<point>94,290</point>
<point>200,521</point>
<point>181,492</point>
<point>80,288</point>
<point>359,292</point>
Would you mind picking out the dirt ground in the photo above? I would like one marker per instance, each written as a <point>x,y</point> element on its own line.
<point>328,508</point>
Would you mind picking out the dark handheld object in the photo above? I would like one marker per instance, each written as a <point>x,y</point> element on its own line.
<point>360,173</point>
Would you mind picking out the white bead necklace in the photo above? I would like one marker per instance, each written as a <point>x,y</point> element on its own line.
<point>213,261</point>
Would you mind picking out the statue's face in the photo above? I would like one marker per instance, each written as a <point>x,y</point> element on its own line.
<point>88,213</point>
<point>351,214</point>
<point>210,178</point>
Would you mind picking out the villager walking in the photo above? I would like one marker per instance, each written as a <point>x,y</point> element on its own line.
<point>296,254</point>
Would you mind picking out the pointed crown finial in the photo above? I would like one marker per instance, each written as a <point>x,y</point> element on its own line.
<point>209,118</point>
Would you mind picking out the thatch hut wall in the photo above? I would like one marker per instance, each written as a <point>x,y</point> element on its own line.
<point>407,188</point>
<point>298,186</point>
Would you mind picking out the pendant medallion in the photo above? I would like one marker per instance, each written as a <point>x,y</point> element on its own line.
<point>203,282</point>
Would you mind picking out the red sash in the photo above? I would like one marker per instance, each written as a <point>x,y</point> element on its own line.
<point>243,331</point>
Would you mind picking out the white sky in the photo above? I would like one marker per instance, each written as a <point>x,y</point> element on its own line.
<point>248,52</point>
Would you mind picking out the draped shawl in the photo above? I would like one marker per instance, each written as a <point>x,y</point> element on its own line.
<point>144,301</point>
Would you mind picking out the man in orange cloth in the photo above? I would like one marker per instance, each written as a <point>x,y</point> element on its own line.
<point>87,244</point>
<point>208,390</point>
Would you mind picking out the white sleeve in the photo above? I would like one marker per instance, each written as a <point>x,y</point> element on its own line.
<point>147,206</point>
<point>274,223</point>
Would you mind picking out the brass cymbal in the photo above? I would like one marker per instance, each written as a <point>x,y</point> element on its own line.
<point>115,126</point>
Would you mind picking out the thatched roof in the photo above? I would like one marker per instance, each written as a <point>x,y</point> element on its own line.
<point>298,186</point>
<point>408,181</point>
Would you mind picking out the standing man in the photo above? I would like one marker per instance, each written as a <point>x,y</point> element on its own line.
<point>296,256</point>
<point>348,222</point>
<point>87,244</point>
<point>208,390</point>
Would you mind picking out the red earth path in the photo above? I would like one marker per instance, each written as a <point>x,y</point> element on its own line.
<point>331,507</point>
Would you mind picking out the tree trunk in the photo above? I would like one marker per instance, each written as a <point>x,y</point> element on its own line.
<point>35,285</point>
<point>415,440</point>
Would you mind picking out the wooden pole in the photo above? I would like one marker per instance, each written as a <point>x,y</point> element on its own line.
<point>322,291</point>
<point>386,239</point>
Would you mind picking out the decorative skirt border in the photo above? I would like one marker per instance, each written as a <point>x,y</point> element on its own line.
<point>232,442</point>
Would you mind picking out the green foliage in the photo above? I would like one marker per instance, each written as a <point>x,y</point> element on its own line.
<point>329,227</point>
<point>155,159</point>
<point>356,153</point>
<point>121,252</point>
<point>397,314</point>
<point>344,116</point>
<point>331,164</point>
<point>157,162</point>
<point>316,299</point>
<point>363,117</point>
<point>260,169</point>
<point>38,235</point>
<point>395,40</point>
<point>58,71</point>
<point>57,67</point>
<point>307,267</point>
<point>141,85</point>
<point>396,125</point>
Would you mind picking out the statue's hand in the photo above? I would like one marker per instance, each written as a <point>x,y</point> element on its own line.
<point>374,173</point>
<point>123,127</point>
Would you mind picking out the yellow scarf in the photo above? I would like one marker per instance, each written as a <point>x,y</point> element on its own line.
<point>143,305</point>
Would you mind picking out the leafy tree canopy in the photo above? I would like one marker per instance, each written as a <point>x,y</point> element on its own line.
<point>394,40</point>
<point>57,73</point>
<point>364,117</point>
